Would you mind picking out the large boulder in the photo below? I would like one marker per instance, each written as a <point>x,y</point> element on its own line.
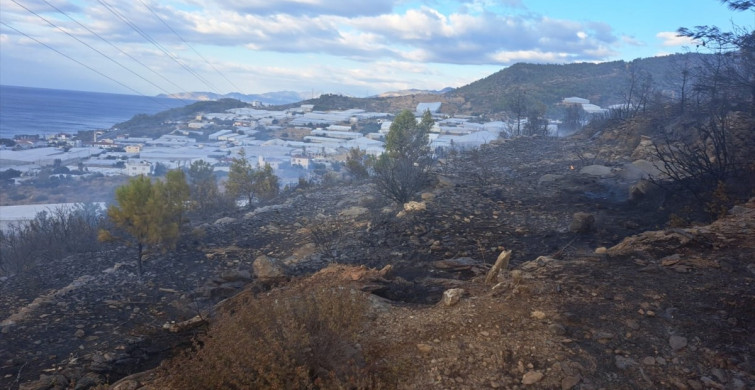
<point>582,223</point>
<point>268,268</point>
<point>452,296</point>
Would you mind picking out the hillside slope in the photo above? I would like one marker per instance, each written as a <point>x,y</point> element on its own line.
<point>603,84</point>
<point>664,309</point>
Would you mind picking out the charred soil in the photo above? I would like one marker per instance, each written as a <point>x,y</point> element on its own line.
<point>653,308</point>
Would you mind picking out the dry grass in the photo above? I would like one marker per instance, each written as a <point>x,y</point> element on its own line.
<point>299,339</point>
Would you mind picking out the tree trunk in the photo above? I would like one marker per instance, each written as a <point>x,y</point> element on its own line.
<point>140,248</point>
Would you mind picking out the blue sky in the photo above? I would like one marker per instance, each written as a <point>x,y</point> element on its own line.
<point>353,47</point>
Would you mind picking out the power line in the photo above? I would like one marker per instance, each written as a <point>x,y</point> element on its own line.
<point>90,46</point>
<point>179,88</point>
<point>156,44</point>
<point>78,62</point>
<point>190,46</point>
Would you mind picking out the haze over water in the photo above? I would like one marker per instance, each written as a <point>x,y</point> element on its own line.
<point>26,110</point>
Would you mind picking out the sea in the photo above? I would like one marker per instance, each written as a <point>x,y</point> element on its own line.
<point>25,110</point>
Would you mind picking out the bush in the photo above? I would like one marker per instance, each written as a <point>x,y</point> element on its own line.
<point>307,339</point>
<point>51,235</point>
<point>400,178</point>
<point>402,170</point>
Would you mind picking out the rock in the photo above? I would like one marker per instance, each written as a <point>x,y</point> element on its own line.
<point>532,377</point>
<point>582,223</point>
<point>354,211</point>
<point>601,335</point>
<point>538,315</point>
<point>601,250</point>
<point>452,296</point>
<point>134,381</point>
<point>415,206</point>
<point>301,254</point>
<point>424,348</point>
<point>738,210</point>
<point>458,264</point>
<point>640,189</point>
<point>632,324</point>
<point>648,361</point>
<point>191,323</point>
<point>45,382</point>
<point>622,363</point>
<point>267,268</point>
<point>695,385</point>
<point>710,383</point>
<point>88,381</point>
<point>236,275</point>
<point>225,221</point>
<point>548,178</point>
<point>557,329</point>
<point>80,333</point>
<point>677,342</point>
<point>569,382</point>
<point>596,170</point>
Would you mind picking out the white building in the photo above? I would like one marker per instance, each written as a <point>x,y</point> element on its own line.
<point>214,136</point>
<point>301,161</point>
<point>136,168</point>
<point>574,100</point>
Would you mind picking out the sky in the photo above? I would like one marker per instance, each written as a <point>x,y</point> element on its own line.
<point>351,47</point>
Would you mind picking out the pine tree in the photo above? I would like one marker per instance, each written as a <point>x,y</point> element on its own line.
<point>241,179</point>
<point>148,215</point>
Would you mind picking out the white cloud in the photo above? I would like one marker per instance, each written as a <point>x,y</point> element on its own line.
<point>670,38</point>
<point>529,56</point>
<point>347,8</point>
<point>368,35</point>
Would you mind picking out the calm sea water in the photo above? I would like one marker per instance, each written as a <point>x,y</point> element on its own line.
<point>44,111</point>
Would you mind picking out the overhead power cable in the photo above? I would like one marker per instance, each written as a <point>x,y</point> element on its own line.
<point>178,87</point>
<point>157,45</point>
<point>90,46</point>
<point>234,86</point>
<point>79,62</point>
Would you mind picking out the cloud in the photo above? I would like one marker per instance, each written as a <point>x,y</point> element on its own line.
<point>388,42</point>
<point>670,38</point>
<point>347,8</point>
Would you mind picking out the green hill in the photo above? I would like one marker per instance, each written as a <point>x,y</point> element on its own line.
<point>154,125</point>
<point>603,84</point>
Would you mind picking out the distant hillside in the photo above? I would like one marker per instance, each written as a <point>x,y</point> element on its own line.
<point>268,98</point>
<point>152,125</point>
<point>405,92</point>
<point>603,83</point>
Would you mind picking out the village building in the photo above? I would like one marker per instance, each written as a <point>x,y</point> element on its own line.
<point>136,168</point>
<point>134,149</point>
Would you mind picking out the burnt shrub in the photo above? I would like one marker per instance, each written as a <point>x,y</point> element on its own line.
<point>51,235</point>
<point>302,339</point>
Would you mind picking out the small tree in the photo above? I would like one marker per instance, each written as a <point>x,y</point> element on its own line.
<point>357,164</point>
<point>536,122</point>
<point>401,170</point>
<point>265,183</point>
<point>517,103</point>
<point>203,186</point>
<point>177,193</point>
<point>145,214</point>
<point>241,179</point>
<point>406,138</point>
